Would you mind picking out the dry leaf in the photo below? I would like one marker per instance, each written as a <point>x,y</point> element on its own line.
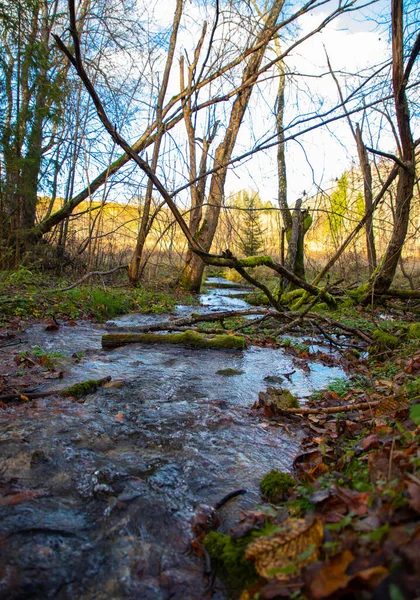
<point>331,577</point>
<point>282,555</point>
<point>389,406</point>
<point>413,491</point>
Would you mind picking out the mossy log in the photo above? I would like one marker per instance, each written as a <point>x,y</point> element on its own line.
<point>78,390</point>
<point>186,338</point>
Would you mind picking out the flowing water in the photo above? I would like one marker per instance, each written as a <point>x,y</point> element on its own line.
<point>106,489</point>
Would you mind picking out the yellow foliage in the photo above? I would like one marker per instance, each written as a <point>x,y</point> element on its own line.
<point>389,406</point>
<point>282,555</point>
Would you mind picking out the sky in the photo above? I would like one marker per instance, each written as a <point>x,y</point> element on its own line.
<point>316,159</point>
<point>354,43</point>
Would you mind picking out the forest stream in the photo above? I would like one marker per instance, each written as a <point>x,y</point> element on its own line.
<point>109,486</point>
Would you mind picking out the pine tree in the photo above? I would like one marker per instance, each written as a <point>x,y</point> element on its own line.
<point>251,240</point>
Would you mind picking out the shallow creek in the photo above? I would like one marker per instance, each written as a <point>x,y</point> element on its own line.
<point>112,483</point>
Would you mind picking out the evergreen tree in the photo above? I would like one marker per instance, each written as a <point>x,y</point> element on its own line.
<point>251,240</point>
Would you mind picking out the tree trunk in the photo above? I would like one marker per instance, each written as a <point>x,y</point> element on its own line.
<point>382,277</point>
<point>368,197</point>
<point>134,270</point>
<point>193,271</point>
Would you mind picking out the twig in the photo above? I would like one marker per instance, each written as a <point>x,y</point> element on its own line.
<point>88,276</point>
<point>330,409</point>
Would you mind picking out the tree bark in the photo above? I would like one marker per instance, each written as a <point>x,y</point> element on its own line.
<point>382,277</point>
<point>193,271</point>
<point>145,224</point>
<point>368,197</point>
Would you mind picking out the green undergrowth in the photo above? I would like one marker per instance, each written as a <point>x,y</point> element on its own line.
<point>25,295</point>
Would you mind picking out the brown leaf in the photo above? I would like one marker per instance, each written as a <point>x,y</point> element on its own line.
<point>331,577</point>
<point>51,324</point>
<point>20,497</point>
<point>249,521</point>
<point>356,502</point>
<point>413,491</point>
<point>370,442</point>
<point>54,375</point>
<point>372,577</point>
<point>389,406</point>
<point>305,461</point>
<point>382,468</point>
<point>282,555</point>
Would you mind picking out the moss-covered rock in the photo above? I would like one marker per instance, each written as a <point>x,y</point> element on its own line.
<point>228,560</point>
<point>229,372</point>
<point>275,485</point>
<point>277,399</point>
<point>78,390</point>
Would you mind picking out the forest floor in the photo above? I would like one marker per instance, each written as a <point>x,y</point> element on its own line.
<point>346,525</point>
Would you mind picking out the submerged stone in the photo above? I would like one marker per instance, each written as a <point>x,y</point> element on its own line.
<point>229,372</point>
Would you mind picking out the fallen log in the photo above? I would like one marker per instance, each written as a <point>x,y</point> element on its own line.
<point>176,324</point>
<point>187,338</point>
<point>77,390</point>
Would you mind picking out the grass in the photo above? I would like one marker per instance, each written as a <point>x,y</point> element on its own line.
<point>25,295</point>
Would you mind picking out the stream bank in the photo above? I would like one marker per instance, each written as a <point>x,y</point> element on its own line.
<point>97,498</point>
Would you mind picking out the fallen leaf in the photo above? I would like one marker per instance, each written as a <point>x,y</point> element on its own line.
<point>249,521</point>
<point>372,577</point>
<point>119,417</point>
<point>357,502</point>
<point>51,324</point>
<point>370,442</point>
<point>282,555</point>
<point>331,577</point>
<point>19,497</point>
<point>413,491</point>
<point>54,375</point>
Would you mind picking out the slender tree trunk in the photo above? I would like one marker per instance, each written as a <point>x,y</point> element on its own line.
<point>368,197</point>
<point>193,271</point>
<point>382,277</point>
<point>145,224</point>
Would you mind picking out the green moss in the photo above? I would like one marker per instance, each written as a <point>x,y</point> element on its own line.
<point>289,297</point>
<point>188,338</point>
<point>229,372</point>
<point>360,295</point>
<point>414,331</point>
<point>228,560</point>
<point>82,389</point>
<point>256,299</point>
<point>256,261</point>
<point>384,344</point>
<point>346,303</point>
<point>279,397</point>
<point>275,485</point>
<point>297,304</point>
